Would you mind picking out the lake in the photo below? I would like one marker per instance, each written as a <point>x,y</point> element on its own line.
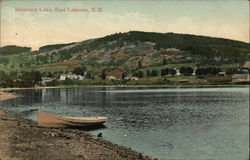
<point>168,124</point>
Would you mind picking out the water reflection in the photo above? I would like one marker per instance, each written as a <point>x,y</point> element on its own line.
<point>162,122</point>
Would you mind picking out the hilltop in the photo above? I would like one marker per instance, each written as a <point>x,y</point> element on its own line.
<point>128,53</point>
<point>126,49</point>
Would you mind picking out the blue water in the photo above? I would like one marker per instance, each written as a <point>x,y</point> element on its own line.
<point>169,124</point>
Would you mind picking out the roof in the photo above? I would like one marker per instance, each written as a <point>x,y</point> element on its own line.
<point>222,73</point>
<point>246,65</point>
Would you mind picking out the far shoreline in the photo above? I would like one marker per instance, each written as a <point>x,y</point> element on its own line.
<point>128,86</point>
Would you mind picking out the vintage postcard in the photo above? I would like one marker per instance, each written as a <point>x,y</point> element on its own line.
<point>124,79</point>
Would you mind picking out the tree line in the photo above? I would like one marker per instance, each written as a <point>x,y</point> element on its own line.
<point>24,79</point>
<point>13,49</point>
<point>185,71</point>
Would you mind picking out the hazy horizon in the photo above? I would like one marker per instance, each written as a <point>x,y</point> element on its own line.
<point>37,23</point>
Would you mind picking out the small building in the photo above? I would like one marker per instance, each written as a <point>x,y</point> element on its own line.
<point>111,78</point>
<point>47,79</point>
<point>178,73</point>
<point>246,65</point>
<point>80,77</point>
<point>240,78</point>
<point>62,77</point>
<point>131,78</point>
<point>222,74</point>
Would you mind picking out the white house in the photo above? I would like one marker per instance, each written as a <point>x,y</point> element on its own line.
<point>46,80</point>
<point>111,78</point>
<point>177,72</point>
<point>222,74</point>
<point>71,77</point>
<point>63,77</point>
<point>131,78</point>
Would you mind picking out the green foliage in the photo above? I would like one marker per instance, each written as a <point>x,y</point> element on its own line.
<point>154,73</point>
<point>6,80</point>
<point>29,79</point>
<point>79,70</point>
<point>52,83</point>
<point>4,60</point>
<point>208,70</point>
<point>89,75</point>
<point>138,74</point>
<point>231,71</point>
<point>206,48</point>
<point>148,73</point>
<point>139,64</point>
<point>186,71</point>
<point>172,71</point>
<point>103,75</point>
<point>12,49</point>
<point>164,72</point>
<point>124,74</point>
<point>26,79</point>
<point>164,62</point>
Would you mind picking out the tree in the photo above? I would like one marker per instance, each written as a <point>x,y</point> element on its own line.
<point>172,71</point>
<point>138,74</point>
<point>215,70</point>
<point>164,61</point>
<point>186,71</point>
<point>88,75</point>
<point>124,74</point>
<point>37,77</point>
<point>154,73</point>
<point>209,70</point>
<point>148,73</point>
<point>6,80</point>
<point>13,49</point>
<point>164,72</point>
<point>4,60</point>
<point>231,71</point>
<point>79,70</point>
<point>139,64</point>
<point>103,75</point>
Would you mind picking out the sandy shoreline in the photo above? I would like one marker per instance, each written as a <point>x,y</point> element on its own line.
<point>5,96</point>
<point>23,140</point>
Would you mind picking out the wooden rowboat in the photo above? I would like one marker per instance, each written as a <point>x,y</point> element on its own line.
<point>54,121</point>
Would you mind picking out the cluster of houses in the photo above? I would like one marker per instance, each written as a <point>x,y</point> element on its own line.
<point>242,78</point>
<point>63,77</point>
<point>236,78</point>
<point>71,76</point>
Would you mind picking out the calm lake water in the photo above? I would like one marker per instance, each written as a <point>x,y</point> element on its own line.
<point>168,124</point>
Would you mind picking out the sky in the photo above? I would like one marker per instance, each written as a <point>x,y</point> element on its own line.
<point>34,27</point>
